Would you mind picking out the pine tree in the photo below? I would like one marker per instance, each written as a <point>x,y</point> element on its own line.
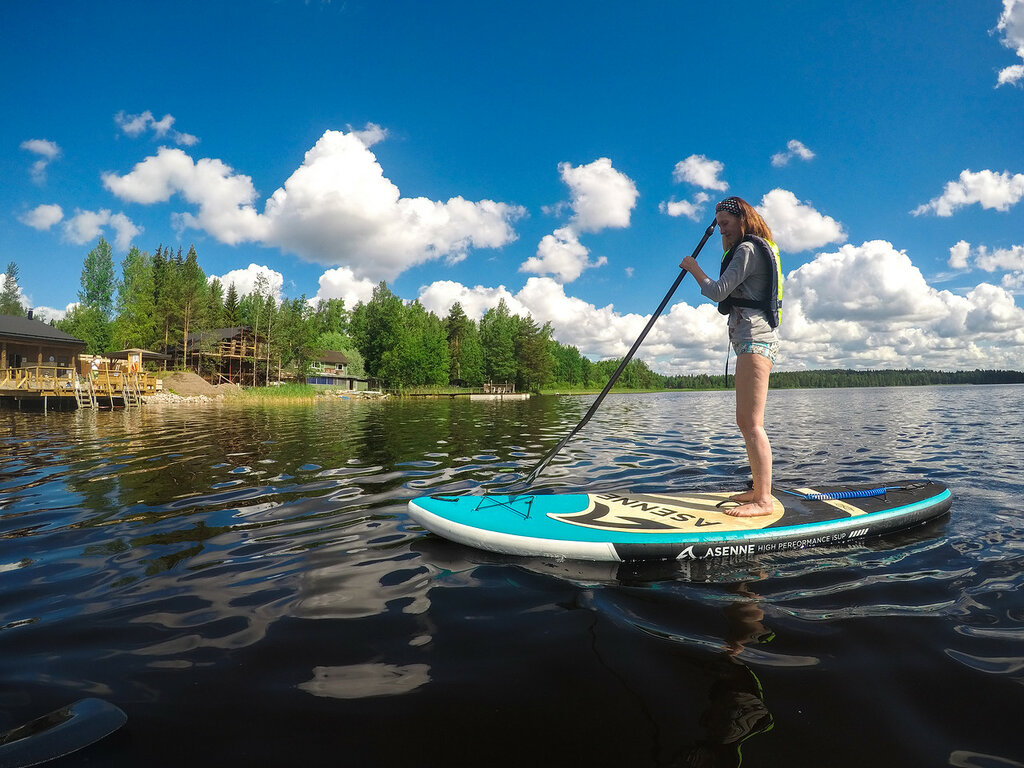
<point>213,312</point>
<point>10,296</point>
<point>464,350</point>
<point>193,295</point>
<point>231,310</point>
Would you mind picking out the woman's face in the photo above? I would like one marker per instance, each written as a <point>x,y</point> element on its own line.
<point>729,227</point>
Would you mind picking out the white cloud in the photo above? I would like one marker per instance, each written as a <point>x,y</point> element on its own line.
<point>337,208</point>
<point>342,283</point>
<point>439,296</point>
<point>958,255</point>
<point>700,171</point>
<point>47,150</point>
<point>86,226</point>
<point>136,125</point>
<point>798,226</point>
<point>1010,260</point>
<point>1011,25</point>
<point>691,210</point>
<point>794,148</point>
<point>245,280</point>
<point>601,197</point>
<point>863,306</point>
<point>868,305</point>
<point>42,217</point>
<point>987,188</point>
<point>561,254</point>
<point>224,198</point>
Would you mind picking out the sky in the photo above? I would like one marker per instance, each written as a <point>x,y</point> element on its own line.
<point>562,156</point>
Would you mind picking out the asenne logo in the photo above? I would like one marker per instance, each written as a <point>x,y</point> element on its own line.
<point>645,514</point>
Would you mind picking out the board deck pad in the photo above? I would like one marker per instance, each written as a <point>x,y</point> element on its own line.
<point>622,526</point>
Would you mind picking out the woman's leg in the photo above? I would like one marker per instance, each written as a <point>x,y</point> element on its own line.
<point>752,372</point>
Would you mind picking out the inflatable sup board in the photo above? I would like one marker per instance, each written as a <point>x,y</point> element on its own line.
<point>626,526</point>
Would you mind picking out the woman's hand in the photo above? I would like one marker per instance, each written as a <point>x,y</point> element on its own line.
<point>688,264</point>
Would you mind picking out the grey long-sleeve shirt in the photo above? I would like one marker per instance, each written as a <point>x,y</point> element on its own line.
<point>748,276</point>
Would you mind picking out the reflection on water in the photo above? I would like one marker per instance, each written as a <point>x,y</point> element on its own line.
<point>247,575</point>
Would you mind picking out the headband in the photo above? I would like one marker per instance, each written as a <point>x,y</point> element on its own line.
<point>729,205</point>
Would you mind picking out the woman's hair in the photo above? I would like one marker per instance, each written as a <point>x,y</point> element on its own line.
<point>751,222</point>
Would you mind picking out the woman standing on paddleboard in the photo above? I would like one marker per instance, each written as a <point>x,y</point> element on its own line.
<point>749,290</point>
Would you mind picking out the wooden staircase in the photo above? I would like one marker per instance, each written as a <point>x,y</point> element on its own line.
<point>85,395</point>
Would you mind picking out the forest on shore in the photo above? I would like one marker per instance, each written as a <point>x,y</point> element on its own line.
<point>160,299</point>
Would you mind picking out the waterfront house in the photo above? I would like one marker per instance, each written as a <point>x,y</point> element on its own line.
<point>26,342</point>
<point>331,369</point>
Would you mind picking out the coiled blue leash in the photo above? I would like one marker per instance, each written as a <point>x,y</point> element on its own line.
<point>836,495</point>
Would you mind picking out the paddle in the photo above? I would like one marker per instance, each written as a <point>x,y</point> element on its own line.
<point>535,472</point>
<point>60,732</point>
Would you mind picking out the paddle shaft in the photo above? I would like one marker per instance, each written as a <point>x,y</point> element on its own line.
<point>535,472</point>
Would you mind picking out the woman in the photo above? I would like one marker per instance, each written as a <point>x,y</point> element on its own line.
<point>749,291</point>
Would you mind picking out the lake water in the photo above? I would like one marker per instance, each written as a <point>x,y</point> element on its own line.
<point>243,582</point>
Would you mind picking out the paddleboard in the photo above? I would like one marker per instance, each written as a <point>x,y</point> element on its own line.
<point>624,526</point>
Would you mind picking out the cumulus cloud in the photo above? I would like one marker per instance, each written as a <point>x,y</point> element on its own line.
<point>337,208</point>
<point>958,255</point>
<point>42,217</point>
<point>245,280</point>
<point>439,296</point>
<point>701,172</point>
<point>224,198</point>
<point>1011,28</point>
<point>600,198</point>
<point>561,254</point>
<point>692,210</point>
<point>869,305</point>
<point>798,226</point>
<point>86,226</point>
<point>342,283</point>
<point>860,306</point>
<point>1009,260</point>
<point>47,152</point>
<point>794,148</point>
<point>136,125</point>
<point>987,188</point>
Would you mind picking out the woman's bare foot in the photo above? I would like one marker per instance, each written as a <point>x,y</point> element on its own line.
<point>753,509</point>
<point>743,498</point>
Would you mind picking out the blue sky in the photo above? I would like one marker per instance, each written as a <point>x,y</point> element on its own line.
<point>563,156</point>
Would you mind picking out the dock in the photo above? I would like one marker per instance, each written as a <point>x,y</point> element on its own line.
<point>62,387</point>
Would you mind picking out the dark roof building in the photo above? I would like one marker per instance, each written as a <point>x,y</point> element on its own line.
<point>25,341</point>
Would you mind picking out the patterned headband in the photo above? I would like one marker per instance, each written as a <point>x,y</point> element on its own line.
<point>729,205</point>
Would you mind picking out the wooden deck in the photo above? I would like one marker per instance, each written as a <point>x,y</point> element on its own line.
<point>108,388</point>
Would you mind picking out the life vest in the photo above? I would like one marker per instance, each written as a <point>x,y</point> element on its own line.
<point>772,303</point>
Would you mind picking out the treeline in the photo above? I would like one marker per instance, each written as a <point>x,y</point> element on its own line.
<point>835,378</point>
<point>160,299</point>
<point>163,298</point>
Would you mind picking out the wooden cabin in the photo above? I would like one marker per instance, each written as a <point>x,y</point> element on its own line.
<point>42,364</point>
<point>331,369</point>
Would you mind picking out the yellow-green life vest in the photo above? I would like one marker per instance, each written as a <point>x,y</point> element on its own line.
<point>770,304</point>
